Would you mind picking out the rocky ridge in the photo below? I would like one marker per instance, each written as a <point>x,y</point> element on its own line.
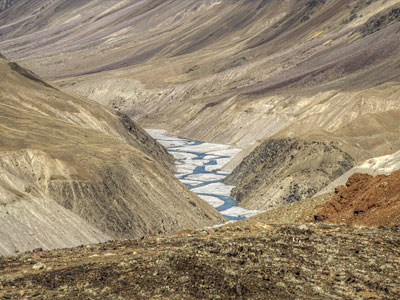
<point>282,171</point>
<point>364,201</point>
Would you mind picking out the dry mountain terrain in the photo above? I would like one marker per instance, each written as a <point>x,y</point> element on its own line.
<point>323,72</point>
<point>278,262</point>
<point>73,172</point>
<point>310,89</point>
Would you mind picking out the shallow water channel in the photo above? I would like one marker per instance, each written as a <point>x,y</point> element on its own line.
<point>198,166</point>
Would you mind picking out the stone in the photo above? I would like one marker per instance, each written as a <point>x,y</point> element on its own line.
<point>38,266</point>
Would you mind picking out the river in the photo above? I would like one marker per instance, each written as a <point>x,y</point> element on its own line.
<point>198,166</point>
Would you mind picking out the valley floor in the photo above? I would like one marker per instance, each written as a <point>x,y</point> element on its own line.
<point>198,166</point>
<point>255,261</point>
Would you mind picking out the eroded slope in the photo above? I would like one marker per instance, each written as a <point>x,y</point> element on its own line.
<point>282,171</point>
<point>75,172</point>
<point>229,71</point>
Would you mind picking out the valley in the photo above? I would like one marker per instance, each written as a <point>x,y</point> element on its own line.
<point>228,72</point>
<point>73,171</point>
<point>199,149</point>
<point>198,166</point>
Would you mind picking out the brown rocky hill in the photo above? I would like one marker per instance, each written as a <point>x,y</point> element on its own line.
<point>73,172</point>
<point>306,169</point>
<point>365,201</point>
<point>306,209</point>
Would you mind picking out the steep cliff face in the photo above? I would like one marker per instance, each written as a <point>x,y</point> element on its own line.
<point>73,172</point>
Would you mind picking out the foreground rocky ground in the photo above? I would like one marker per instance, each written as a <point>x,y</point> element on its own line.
<point>257,261</point>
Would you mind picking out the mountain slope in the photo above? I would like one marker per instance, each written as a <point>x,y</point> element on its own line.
<point>365,201</point>
<point>282,171</point>
<point>237,72</point>
<point>226,71</point>
<point>75,172</point>
<point>248,261</point>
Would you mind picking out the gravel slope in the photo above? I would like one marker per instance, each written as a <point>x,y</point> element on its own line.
<point>256,261</point>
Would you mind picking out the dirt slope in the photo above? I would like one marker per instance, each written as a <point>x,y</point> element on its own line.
<point>365,200</point>
<point>227,71</point>
<point>73,172</point>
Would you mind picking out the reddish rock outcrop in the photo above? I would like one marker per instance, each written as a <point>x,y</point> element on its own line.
<point>365,200</point>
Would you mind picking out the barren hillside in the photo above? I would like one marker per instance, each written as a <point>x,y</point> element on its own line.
<point>73,172</point>
<point>227,71</point>
<point>364,200</point>
<point>310,89</point>
<point>259,261</point>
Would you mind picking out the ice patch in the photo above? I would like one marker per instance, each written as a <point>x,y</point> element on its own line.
<point>205,177</point>
<point>217,188</point>
<point>239,212</point>
<point>198,165</point>
<point>213,201</point>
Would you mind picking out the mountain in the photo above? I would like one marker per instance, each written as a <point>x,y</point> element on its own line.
<point>239,72</point>
<point>308,88</point>
<point>74,172</point>
<point>231,71</point>
<point>225,71</point>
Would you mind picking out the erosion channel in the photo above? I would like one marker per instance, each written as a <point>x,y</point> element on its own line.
<point>198,166</point>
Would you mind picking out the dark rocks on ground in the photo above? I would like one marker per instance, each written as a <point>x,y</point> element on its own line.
<point>239,262</point>
<point>381,21</point>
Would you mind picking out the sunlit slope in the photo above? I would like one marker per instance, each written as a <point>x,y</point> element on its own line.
<point>228,71</point>
<point>231,72</point>
<point>75,172</point>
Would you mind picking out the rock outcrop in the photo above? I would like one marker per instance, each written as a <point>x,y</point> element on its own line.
<point>364,201</point>
<point>282,171</point>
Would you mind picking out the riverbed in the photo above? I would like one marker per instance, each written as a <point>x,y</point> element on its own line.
<point>198,166</point>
